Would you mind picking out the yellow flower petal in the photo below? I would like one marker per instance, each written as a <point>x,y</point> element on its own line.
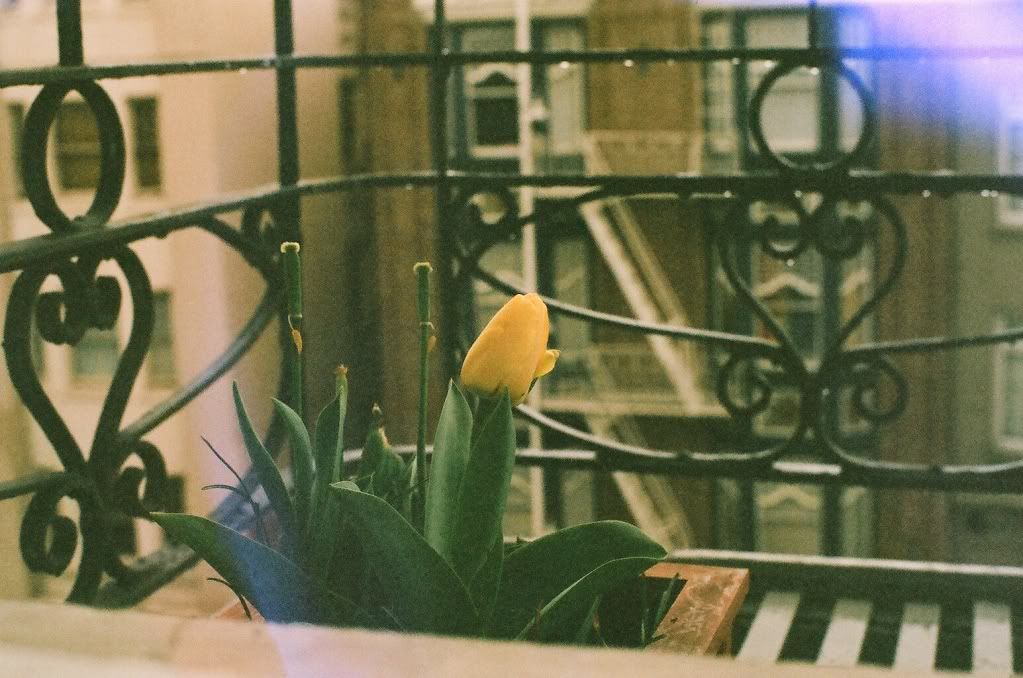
<point>547,361</point>
<point>511,351</point>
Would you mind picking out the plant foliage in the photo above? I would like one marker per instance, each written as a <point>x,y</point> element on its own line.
<point>352,551</point>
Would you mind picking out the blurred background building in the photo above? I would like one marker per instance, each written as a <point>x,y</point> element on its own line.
<point>192,138</point>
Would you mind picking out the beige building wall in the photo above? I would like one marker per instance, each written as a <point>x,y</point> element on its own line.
<point>217,136</point>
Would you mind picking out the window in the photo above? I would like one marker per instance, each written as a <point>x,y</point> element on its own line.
<point>565,113</point>
<point>38,350</point>
<point>160,360</point>
<point>504,260</point>
<point>347,108</point>
<point>487,98</point>
<point>489,92</point>
<point>1010,156</point>
<point>493,111</point>
<point>1007,409</point>
<point>854,31</point>
<point>810,296</point>
<point>563,260</point>
<point>791,111</point>
<point>719,109</point>
<point>790,289</point>
<point>78,149</point>
<point>95,356</point>
<point>16,120</point>
<point>808,114</point>
<point>144,122</point>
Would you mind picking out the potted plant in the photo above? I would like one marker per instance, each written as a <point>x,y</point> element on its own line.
<point>401,546</point>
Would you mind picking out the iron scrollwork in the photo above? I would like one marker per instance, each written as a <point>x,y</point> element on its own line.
<point>752,368</point>
<point>106,485</point>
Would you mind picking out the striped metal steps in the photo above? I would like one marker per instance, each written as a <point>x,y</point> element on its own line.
<point>841,612</point>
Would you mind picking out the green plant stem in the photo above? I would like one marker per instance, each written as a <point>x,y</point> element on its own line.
<point>422,271</point>
<point>292,264</point>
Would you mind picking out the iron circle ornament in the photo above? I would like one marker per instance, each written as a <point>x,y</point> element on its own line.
<point>838,237</point>
<point>35,172</point>
<point>844,159</point>
<point>488,213</point>
<point>780,242</point>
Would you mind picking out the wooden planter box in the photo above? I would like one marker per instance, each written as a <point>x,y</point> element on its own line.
<point>699,622</point>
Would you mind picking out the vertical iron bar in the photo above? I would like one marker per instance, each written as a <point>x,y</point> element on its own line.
<point>830,536</point>
<point>440,70</point>
<point>741,95</point>
<point>69,32</point>
<point>554,497</point>
<point>831,527</point>
<point>813,34</point>
<point>746,511</point>
<point>284,46</point>
<point>746,515</point>
<point>287,211</point>
<point>829,100</point>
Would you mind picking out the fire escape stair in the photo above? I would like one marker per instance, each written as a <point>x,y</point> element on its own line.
<point>649,293</point>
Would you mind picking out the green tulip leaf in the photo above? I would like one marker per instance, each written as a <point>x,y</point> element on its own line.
<point>347,485</point>
<point>328,450</point>
<point>267,472</point>
<point>323,543</point>
<point>585,632</point>
<point>391,478</point>
<point>408,484</point>
<point>381,469</point>
<point>485,584</point>
<point>329,437</point>
<point>484,492</point>
<point>329,424</point>
<point>372,451</point>
<point>302,464</point>
<point>450,456</point>
<point>425,593</point>
<point>276,586</point>
<point>561,618</point>
<point>537,571</point>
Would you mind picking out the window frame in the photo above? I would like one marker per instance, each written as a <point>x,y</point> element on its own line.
<point>1010,216</point>
<point>77,150</point>
<point>151,149</point>
<point>1008,445</point>
<point>86,378</point>
<point>474,78</point>
<point>162,338</point>
<point>16,111</point>
<point>832,138</point>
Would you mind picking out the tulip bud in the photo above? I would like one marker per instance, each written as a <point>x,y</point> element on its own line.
<point>511,351</point>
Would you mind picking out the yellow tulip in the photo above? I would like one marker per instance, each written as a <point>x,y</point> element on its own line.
<point>511,351</point>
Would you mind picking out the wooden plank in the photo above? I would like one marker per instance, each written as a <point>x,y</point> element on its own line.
<point>700,620</point>
<point>844,637</point>
<point>992,638</point>
<point>770,626</point>
<point>918,637</point>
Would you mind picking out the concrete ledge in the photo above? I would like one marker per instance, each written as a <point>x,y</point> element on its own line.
<point>64,640</point>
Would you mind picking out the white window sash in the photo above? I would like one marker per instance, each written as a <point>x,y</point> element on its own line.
<point>1002,442</point>
<point>1010,208</point>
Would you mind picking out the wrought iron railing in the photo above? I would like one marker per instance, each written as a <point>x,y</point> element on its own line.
<point>809,453</point>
